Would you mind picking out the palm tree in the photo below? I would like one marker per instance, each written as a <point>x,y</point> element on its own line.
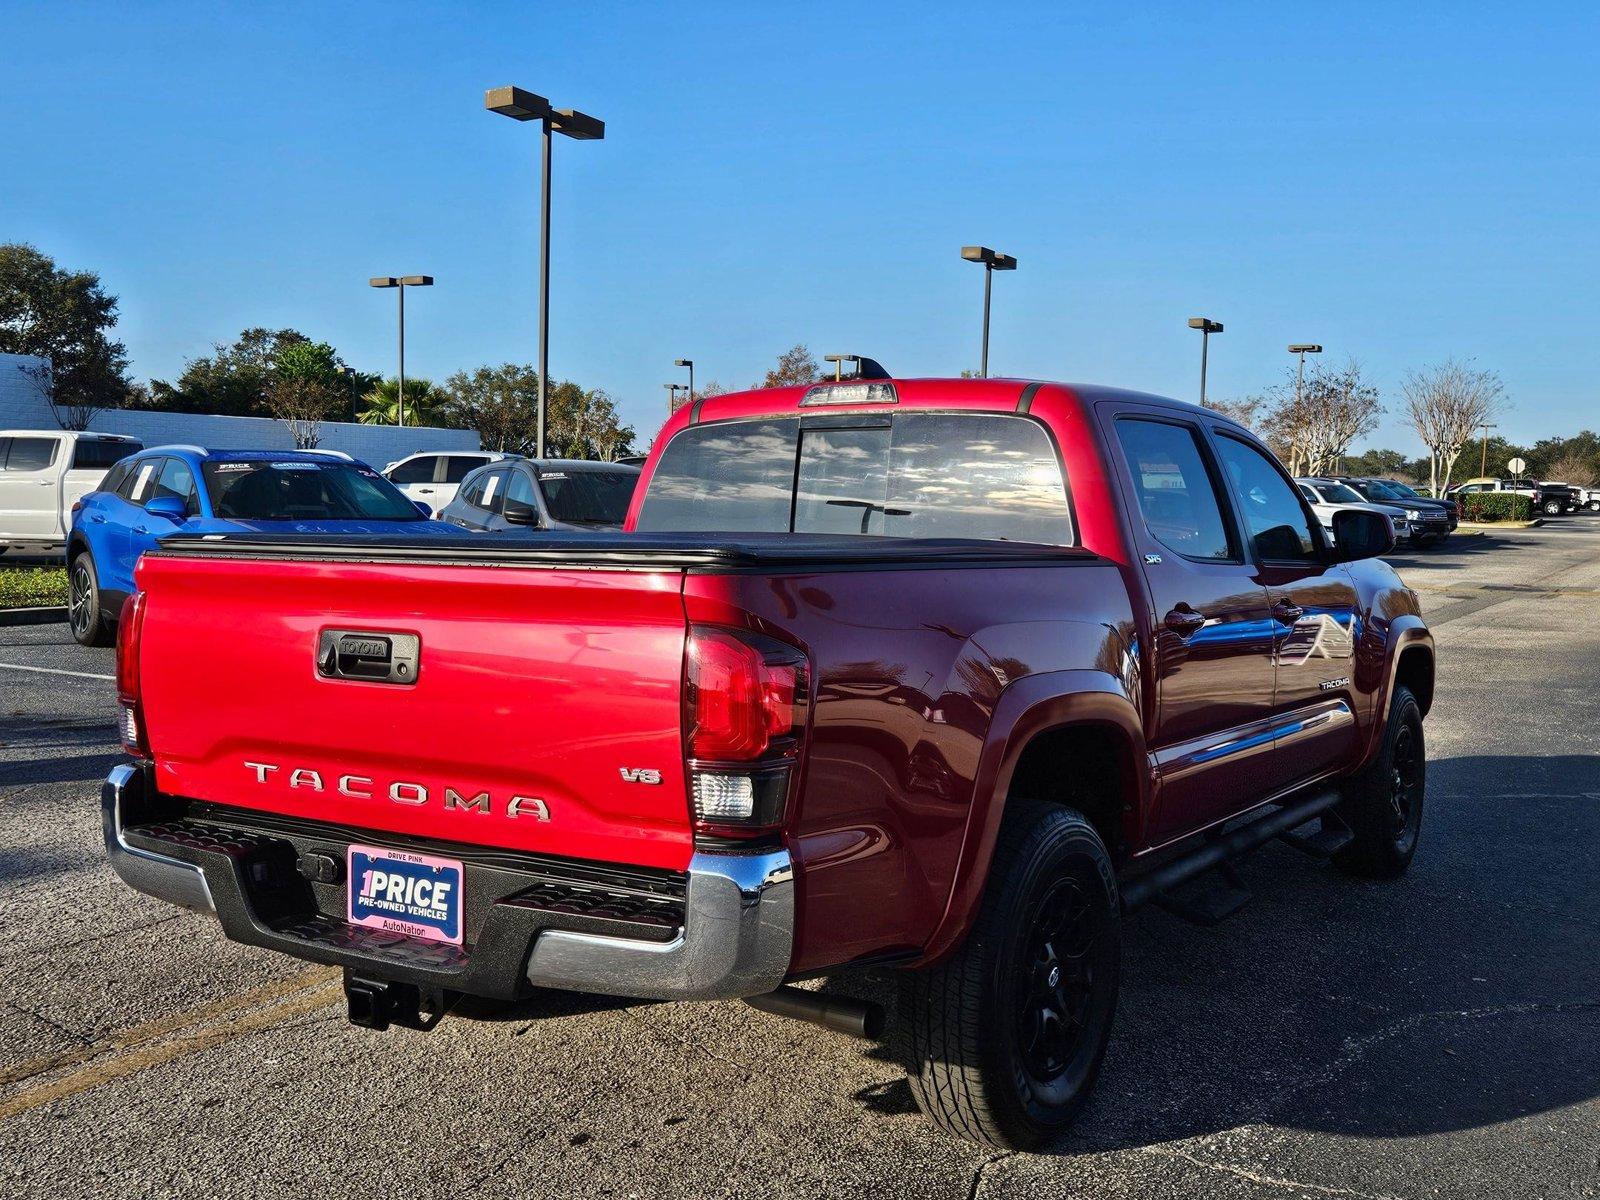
<point>424,403</point>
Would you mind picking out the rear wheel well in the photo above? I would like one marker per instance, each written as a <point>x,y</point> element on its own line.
<point>1085,767</point>
<point>1415,671</point>
<point>75,547</point>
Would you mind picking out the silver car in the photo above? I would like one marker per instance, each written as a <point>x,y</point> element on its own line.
<point>550,493</point>
<point>1327,497</point>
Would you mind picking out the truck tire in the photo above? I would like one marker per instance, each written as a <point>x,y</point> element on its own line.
<point>1003,1039</point>
<point>1553,508</point>
<point>86,609</point>
<point>1383,804</point>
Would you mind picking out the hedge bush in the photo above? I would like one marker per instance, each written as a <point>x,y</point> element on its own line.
<point>1486,507</point>
<point>30,587</point>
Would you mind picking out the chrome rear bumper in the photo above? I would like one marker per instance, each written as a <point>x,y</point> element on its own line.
<point>736,939</point>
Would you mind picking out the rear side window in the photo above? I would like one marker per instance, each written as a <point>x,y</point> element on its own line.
<point>96,454</point>
<point>113,480</point>
<point>917,475</point>
<point>457,466</point>
<point>417,470</point>
<point>488,490</point>
<point>140,479</point>
<point>31,453</point>
<point>1176,496</point>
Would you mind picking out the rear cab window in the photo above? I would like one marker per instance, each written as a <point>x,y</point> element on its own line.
<point>97,454</point>
<point>987,476</point>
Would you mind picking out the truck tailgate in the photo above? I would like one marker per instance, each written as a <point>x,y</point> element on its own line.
<point>544,711</point>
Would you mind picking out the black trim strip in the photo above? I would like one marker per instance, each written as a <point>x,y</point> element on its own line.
<point>694,411</point>
<point>702,552</point>
<point>1025,401</point>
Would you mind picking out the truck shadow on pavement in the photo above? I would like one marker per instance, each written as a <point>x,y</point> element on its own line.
<point>1463,995</point>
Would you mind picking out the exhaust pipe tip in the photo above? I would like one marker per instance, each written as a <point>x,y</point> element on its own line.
<point>842,1014</point>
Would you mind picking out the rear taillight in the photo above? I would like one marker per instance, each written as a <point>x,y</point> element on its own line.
<point>130,716</point>
<point>744,698</point>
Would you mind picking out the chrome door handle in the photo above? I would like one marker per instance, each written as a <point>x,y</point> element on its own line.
<point>1287,612</point>
<point>1184,621</point>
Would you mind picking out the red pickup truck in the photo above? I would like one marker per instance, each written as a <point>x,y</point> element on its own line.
<point>934,676</point>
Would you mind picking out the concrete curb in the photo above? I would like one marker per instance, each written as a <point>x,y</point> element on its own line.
<point>1485,526</point>
<point>52,615</point>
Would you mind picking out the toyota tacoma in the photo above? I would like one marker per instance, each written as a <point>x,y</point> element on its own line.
<point>937,677</point>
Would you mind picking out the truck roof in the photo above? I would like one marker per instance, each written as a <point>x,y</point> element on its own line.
<point>856,395</point>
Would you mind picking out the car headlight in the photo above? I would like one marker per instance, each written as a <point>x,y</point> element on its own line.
<point>1413,514</point>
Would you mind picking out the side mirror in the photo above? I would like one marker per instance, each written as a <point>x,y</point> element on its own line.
<point>170,507</point>
<point>1358,534</point>
<point>519,512</point>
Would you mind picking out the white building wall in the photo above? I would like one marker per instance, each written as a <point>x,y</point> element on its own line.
<point>23,406</point>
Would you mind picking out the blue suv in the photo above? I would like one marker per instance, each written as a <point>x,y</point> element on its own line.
<point>167,488</point>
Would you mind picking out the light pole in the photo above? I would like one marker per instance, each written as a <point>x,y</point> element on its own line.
<point>992,261</point>
<point>519,105</point>
<point>1207,327</point>
<point>687,362</point>
<point>400,284</point>
<point>672,396</point>
<point>1302,349</point>
<point>1483,460</point>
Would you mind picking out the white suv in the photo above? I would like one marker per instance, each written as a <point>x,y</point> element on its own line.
<point>43,473</point>
<point>434,477</point>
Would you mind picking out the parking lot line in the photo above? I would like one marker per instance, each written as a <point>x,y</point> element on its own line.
<point>56,671</point>
<point>139,1049</point>
<point>137,1035</point>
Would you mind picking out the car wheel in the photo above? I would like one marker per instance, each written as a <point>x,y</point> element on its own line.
<point>1552,508</point>
<point>1593,506</point>
<point>1003,1039</point>
<point>86,608</point>
<point>1383,804</point>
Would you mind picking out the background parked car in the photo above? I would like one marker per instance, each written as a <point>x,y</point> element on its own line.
<point>552,493</point>
<point>432,478</point>
<point>1430,520</point>
<point>1405,489</point>
<point>1327,497</point>
<point>43,473</point>
<point>1551,499</point>
<point>158,491</point>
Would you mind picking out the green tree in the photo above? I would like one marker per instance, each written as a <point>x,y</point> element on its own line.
<point>794,366</point>
<point>425,403</point>
<point>237,378</point>
<point>65,317</point>
<point>501,403</point>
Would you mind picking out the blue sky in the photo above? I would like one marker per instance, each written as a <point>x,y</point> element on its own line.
<point>1398,182</point>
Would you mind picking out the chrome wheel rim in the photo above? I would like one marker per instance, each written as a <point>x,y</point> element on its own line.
<point>80,599</point>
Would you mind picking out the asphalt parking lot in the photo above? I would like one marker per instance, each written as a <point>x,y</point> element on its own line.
<point>1437,1036</point>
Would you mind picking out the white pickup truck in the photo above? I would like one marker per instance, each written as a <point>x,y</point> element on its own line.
<point>43,473</point>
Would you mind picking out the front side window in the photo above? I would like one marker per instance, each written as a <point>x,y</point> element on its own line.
<point>1272,514</point>
<point>31,454</point>
<point>1176,496</point>
<point>292,490</point>
<point>415,470</point>
<point>177,481</point>
<point>918,475</point>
